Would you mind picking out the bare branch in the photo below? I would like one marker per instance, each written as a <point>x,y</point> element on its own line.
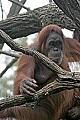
<point>71,8</point>
<point>64,80</point>
<point>75,76</point>
<point>31,22</point>
<point>15,9</point>
<point>20,4</point>
<point>9,54</point>
<point>1,8</point>
<point>54,87</point>
<point>8,66</point>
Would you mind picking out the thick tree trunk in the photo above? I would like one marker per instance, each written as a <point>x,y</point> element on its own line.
<point>71,8</point>
<point>33,21</point>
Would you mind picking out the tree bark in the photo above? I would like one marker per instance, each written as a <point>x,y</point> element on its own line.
<point>54,87</point>
<point>15,9</point>
<point>31,22</point>
<point>64,80</point>
<point>71,8</point>
<point>75,76</point>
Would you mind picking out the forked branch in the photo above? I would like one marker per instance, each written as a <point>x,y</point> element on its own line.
<point>64,80</point>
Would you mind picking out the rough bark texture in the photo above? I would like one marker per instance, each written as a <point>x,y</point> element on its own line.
<point>71,8</point>
<point>75,76</point>
<point>14,10</point>
<point>54,87</point>
<point>33,21</point>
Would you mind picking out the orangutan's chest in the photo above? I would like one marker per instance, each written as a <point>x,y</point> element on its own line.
<point>42,73</point>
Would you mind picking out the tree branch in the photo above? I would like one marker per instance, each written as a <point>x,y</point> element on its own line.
<point>8,66</point>
<point>64,80</point>
<point>71,8</point>
<point>15,9</point>
<point>19,4</point>
<point>31,22</point>
<point>54,87</point>
<point>9,54</point>
<point>75,76</point>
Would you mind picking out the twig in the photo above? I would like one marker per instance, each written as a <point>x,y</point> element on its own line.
<point>8,66</point>
<point>9,54</point>
<point>20,4</point>
<point>1,8</point>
